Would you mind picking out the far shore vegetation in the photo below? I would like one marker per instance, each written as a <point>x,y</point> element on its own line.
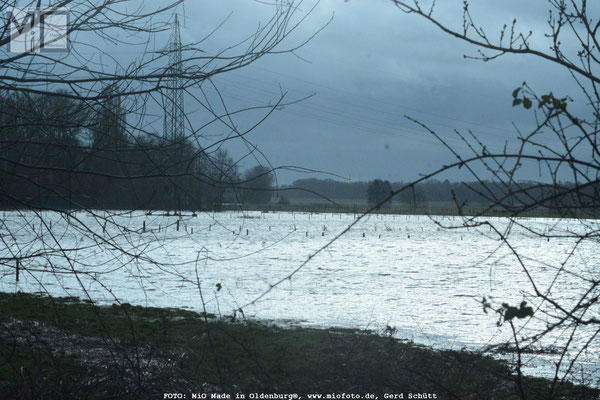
<point>258,192</point>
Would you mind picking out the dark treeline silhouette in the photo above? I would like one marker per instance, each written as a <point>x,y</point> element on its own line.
<point>257,185</point>
<point>56,152</point>
<point>480,192</point>
<point>378,191</point>
<point>318,188</point>
<point>313,189</point>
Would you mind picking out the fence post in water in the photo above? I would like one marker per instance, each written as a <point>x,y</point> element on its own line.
<point>192,230</point>
<point>363,234</point>
<point>17,269</point>
<point>144,227</point>
<point>246,232</point>
<point>177,225</point>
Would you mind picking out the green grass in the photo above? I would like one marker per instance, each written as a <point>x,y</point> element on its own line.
<point>249,356</point>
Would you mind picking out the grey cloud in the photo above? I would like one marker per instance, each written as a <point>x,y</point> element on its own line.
<point>372,65</point>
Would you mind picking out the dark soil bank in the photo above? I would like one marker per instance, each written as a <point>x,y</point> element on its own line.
<point>66,348</point>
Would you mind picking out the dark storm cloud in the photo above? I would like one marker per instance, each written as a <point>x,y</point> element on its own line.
<point>369,67</point>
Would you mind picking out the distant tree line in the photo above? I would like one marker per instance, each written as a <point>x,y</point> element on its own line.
<point>480,192</point>
<point>378,192</point>
<point>57,152</point>
<point>374,191</point>
<point>60,152</point>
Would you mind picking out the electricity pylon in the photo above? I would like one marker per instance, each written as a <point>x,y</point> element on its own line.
<point>173,124</point>
<point>173,102</point>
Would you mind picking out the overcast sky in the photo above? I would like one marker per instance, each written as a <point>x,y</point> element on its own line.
<point>368,68</point>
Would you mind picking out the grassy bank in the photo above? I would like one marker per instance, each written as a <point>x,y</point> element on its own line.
<point>68,348</point>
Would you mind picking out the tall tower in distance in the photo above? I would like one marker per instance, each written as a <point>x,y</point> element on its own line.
<point>173,96</point>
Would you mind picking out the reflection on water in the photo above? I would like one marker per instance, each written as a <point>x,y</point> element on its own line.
<point>402,271</point>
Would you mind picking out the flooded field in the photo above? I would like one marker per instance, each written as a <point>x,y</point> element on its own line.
<point>405,272</point>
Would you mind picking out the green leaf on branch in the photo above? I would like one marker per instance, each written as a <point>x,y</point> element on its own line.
<point>559,104</point>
